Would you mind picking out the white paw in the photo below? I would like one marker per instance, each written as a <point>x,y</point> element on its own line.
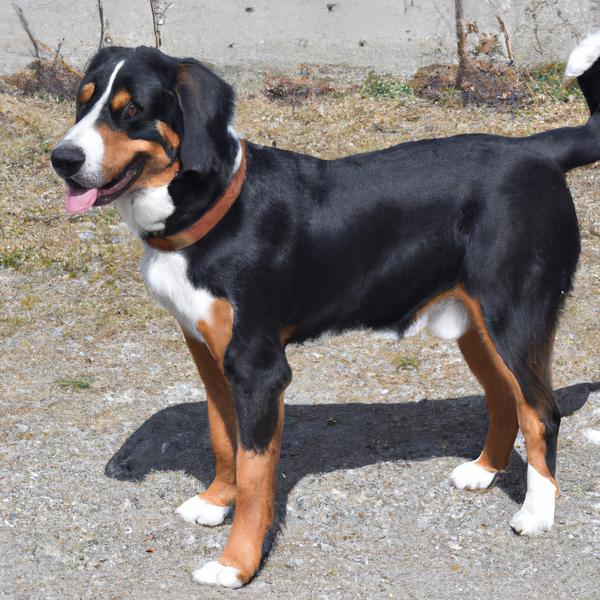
<point>471,476</point>
<point>537,512</point>
<point>526,522</point>
<point>196,510</point>
<point>214,573</point>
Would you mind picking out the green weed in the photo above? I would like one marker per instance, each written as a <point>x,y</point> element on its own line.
<point>74,383</point>
<point>548,80</point>
<point>406,362</point>
<point>385,86</point>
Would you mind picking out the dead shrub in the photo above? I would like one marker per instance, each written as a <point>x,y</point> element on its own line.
<point>46,76</point>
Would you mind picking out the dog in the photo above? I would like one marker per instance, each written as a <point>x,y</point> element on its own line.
<point>252,248</point>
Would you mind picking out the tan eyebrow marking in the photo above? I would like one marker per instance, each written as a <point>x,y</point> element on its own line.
<point>121,99</point>
<point>87,91</point>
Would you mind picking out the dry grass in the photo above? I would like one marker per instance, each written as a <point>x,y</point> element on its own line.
<point>53,77</point>
<point>306,85</point>
<point>88,360</point>
<point>487,82</point>
<point>93,261</point>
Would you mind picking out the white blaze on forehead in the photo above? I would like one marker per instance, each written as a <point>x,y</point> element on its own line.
<point>85,135</point>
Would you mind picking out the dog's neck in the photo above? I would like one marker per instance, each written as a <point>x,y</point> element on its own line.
<point>171,208</point>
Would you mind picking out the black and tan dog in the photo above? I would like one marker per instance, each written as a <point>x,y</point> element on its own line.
<point>252,248</point>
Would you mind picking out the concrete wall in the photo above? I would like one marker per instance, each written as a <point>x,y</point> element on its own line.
<point>393,36</point>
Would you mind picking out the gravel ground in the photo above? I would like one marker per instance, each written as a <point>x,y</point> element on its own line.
<point>91,371</point>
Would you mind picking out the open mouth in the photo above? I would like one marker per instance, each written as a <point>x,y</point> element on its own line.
<point>79,198</point>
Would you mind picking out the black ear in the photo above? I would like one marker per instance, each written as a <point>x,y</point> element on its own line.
<point>206,103</point>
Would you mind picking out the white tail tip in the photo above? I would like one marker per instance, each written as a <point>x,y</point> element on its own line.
<point>583,56</point>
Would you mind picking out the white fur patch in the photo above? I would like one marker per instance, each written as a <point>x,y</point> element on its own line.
<point>447,319</point>
<point>85,135</point>
<point>537,513</point>
<point>471,476</point>
<point>214,573</point>
<point>197,510</point>
<point>416,326</point>
<point>583,56</point>
<point>146,209</point>
<point>238,156</point>
<point>384,334</point>
<point>166,277</point>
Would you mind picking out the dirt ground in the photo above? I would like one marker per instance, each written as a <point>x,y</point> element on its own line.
<point>91,370</point>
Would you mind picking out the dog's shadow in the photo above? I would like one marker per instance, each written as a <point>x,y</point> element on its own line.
<point>322,438</point>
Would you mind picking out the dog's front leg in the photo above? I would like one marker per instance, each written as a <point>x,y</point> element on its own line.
<point>258,373</point>
<point>213,505</point>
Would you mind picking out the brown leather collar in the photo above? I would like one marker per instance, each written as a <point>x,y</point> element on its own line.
<point>190,235</point>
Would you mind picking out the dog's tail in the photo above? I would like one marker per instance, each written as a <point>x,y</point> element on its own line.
<point>577,146</point>
<point>584,65</point>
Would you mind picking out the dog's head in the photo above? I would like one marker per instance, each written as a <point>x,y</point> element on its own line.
<point>144,120</point>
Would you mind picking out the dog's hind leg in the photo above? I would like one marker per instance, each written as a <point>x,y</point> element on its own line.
<point>212,506</point>
<point>519,265</point>
<point>539,420</point>
<point>501,397</point>
<point>523,394</point>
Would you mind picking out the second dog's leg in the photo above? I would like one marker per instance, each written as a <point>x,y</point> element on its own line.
<point>212,506</point>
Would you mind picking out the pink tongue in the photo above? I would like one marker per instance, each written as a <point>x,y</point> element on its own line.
<point>80,200</point>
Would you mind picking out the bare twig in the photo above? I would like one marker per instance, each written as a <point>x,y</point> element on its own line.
<point>504,31</point>
<point>461,41</point>
<point>101,15</point>
<point>25,26</point>
<point>153,9</point>
<point>159,10</point>
<point>534,15</point>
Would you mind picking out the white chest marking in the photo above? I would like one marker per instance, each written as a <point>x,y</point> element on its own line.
<point>165,276</point>
<point>146,209</point>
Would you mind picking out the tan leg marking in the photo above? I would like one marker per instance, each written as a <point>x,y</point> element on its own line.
<point>223,424</point>
<point>218,329</point>
<point>255,504</point>
<point>504,396</point>
<point>221,410</point>
<point>533,431</point>
<point>500,395</point>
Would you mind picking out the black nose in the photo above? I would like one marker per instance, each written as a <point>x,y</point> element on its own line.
<point>67,159</point>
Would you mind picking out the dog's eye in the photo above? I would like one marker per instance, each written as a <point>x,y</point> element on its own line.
<point>132,110</point>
